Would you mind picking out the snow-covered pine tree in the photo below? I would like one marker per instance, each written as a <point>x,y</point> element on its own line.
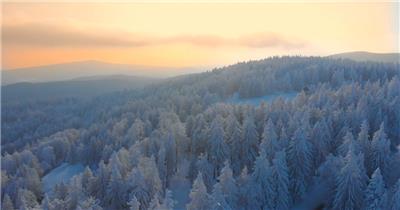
<point>380,151</point>
<point>134,204</point>
<point>199,198</point>
<point>262,185</point>
<point>250,142</point>
<point>218,199</point>
<point>280,172</point>
<point>300,163</point>
<point>168,202</point>
<point>218,152</point>
<point>228,185</point>
<point>376,194</point>
<point>350,184</point>
<point>269,141</point>
<point>395,201</point>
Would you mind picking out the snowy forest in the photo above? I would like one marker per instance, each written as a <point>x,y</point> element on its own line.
<point>183,144</point>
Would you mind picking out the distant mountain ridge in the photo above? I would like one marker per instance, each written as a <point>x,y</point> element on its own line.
<point>89,68</point>
<point>369,56</point>
<point>78,88</point>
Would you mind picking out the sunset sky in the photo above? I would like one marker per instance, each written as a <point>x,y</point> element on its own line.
<point>191,34</point>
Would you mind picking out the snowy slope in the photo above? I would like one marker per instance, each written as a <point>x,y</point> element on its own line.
<point>63,173</point>
<point>258,100</point>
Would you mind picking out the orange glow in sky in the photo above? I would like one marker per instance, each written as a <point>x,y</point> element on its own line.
<point>191,34</point>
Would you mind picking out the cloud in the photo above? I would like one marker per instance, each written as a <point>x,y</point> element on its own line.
<point>52,36</point>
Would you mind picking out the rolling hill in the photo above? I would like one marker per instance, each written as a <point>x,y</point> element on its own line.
<point>368,56</point>
<point>90,68</point>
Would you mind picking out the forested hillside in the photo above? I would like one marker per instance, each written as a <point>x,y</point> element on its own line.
<point>177,144</point>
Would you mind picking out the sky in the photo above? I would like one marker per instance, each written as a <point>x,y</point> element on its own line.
<point>191,34</point>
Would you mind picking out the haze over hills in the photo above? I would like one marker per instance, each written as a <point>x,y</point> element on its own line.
<point>90,68</point>
<point>79,87</point>
<point>369,56</point>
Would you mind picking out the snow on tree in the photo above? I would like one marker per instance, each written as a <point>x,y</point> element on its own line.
<point>380,154</point>
<point>148,168</point>
<point>116,190</point>
<point>349,184</point>
<point>168,202</point>
<point>375,194</point>
<point>269,141</point>
<point>26,199</point>
<point>155,203</point>
<point>300,162</point>
<point>395,201</point>
<point>7,203</point>
<point>137,188</point>
<point>134,204</point>
<point>234,139</point>
<point>281,182</point>
<point>262,183</point>
<point>206,168</point>
<point>365,143</point>
<point>89,204</point>
<point>170,156</point>
<point>249,143</point>
<point>228,185</point>
<point>326,176</point>
<point>199,198</point>
<point>218,152</point>
<point>218,199</point>
<point>348,141</point>
<point>321,140</point>
<point>136,132</point>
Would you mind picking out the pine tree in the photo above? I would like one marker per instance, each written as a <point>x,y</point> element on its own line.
<point>262,183</point>
<point>269,141</point>
<point>134,204</point>
<point>218,149</point>
<point>349,184</point>
<point>395,201</point>
<point>206,168</point>
<point>235,141</point>
<point>89,204</point>
<point>250,142</point>
<point>168,202</point>
<point>321,139</point>
<point>7,203</point>
<point>138,188</point>
<point>365,143</point>
<point>375,194</point>
<point>199,198</point>
<point>300,164</point>
<point>155,203</point>
<point>348,141</point>
<point>281,180</point>
<point>380,154</point>
<point>246,190</point>
<point>228,185</point>
<point>116,190</point>
<point>218,199</point>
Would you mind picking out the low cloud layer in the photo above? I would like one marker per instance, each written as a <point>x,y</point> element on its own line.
<point>52,36</point>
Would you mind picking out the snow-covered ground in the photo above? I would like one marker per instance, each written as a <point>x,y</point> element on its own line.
<point>62,173</point>
<point>180,188</point>
<point>257,100</point>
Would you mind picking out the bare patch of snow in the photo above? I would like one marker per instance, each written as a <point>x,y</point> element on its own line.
<point>180,188</point>
<point>235,99</point>
<point>61,174</point>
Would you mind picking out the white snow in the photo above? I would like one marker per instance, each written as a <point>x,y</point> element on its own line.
<point>257,100</point>
<point>62,173</point>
